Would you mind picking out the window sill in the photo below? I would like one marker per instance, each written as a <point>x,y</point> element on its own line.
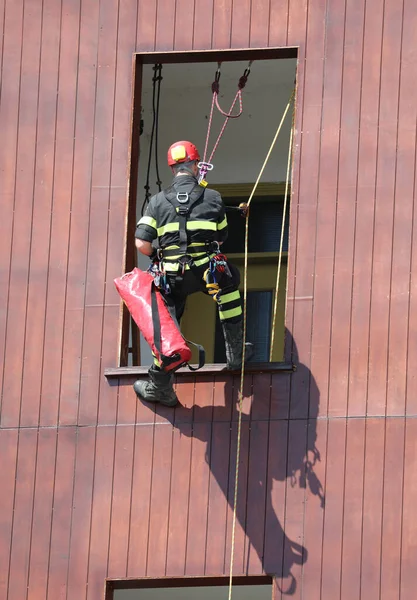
<point>272,367</point>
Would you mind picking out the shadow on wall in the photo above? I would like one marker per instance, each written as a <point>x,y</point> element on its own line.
<point>293,464</point>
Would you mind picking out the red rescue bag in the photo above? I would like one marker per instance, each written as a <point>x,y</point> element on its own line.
<point>150,313</point>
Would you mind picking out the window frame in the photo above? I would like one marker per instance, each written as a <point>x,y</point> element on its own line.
<point>129,259</point>
<point>112,585</point>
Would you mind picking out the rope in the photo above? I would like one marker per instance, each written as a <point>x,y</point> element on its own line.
<point>215,87</point>
<point>242,373</point>
<point>281,242</point>
<point>157,78</point>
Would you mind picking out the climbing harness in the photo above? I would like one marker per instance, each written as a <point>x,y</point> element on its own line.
<point>242,373</point>
<point>156,94</point>
<point>206,164</point>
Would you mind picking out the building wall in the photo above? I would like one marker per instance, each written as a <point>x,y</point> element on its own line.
<point>96,485</point>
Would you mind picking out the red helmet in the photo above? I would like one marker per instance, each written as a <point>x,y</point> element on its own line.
<point>182,152</point>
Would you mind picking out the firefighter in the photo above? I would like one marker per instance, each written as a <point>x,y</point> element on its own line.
<point>187,222</point>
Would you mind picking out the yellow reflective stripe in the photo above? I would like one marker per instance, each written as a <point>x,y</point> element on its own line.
<point>223,224</point>
<point>147,221</point>
<point>208,225</point>
<point>173,266</point>
<point>167,228</point>
<point>194,244</point>
<point>229,297</point>
<point>228,314</point>
<point>202,261</point>
<point>176,256</point>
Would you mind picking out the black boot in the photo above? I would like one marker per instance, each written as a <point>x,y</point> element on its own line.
<point>158,389</point>
<point>233,340</point>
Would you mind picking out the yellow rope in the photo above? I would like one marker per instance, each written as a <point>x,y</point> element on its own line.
<point>281,242</point>
<point>245,286</point>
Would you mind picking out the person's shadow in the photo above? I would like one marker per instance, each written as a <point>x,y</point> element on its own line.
<point>274,448</point>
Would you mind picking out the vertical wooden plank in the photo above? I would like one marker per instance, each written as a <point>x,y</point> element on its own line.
<point>306,194</point>
<point>146,26</point>
<point>247,402</point>
<point>179,499</point>
<point>346,207</point>
<point>402,348</point>
<point>41,218</point>
<point>203,24</point>
<point>121,502</point>
<point>261,397</point>
<point>280,396</point>
<point>203,407</point>
<point>275,502</point>
<point>159,501</point>
<point>184,24</point>
<point>185,388</point>
<point>80,210</point>
<point>125,148</point>
<point>297,22</point>
<point>8,452</point>
<point>384,207</point>
<point>392,508</point>
<point>42,514</point>
<point>61,214</point>
<point>409,523</point>
<point>22,214</point>
<point>241,23</point>
<point>293,551</point>
<point>256,497</point>
<point>372,508</point>
<point>165,25</point>
<point>353,509</point>
<point>240,537</point>
<point>333,517</point>
<point>2,20</point>
<point>141,493</point>
<point>81,519</point>
<point>101,510</point>
<point>278,23</point>
<point>222,18</point>
<point>197,508</point>
<point>328,182</point>
<point>62,512</point>
<point>315,479</point>
<point>22,515</point>
<point>222,398</point>
<point>259,23</point>
<point>98,214</point>
<point>362,263</point>
<point>217,498</point>
<point>9,122</point>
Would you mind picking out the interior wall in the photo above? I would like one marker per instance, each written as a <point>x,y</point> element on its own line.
<point>185,103</point>
<point>185,108</point>
<point>240,592</point>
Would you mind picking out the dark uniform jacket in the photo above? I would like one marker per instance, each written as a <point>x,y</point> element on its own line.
<point>205,222</point>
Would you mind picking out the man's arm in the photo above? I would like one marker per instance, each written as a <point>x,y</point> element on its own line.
<point>222,228</point>
<point>146,231</point>
<point>144,247</point>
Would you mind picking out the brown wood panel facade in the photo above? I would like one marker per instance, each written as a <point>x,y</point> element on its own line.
<point>96,485</point>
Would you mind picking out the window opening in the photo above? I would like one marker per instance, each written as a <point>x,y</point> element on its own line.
<point>184,111</point>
